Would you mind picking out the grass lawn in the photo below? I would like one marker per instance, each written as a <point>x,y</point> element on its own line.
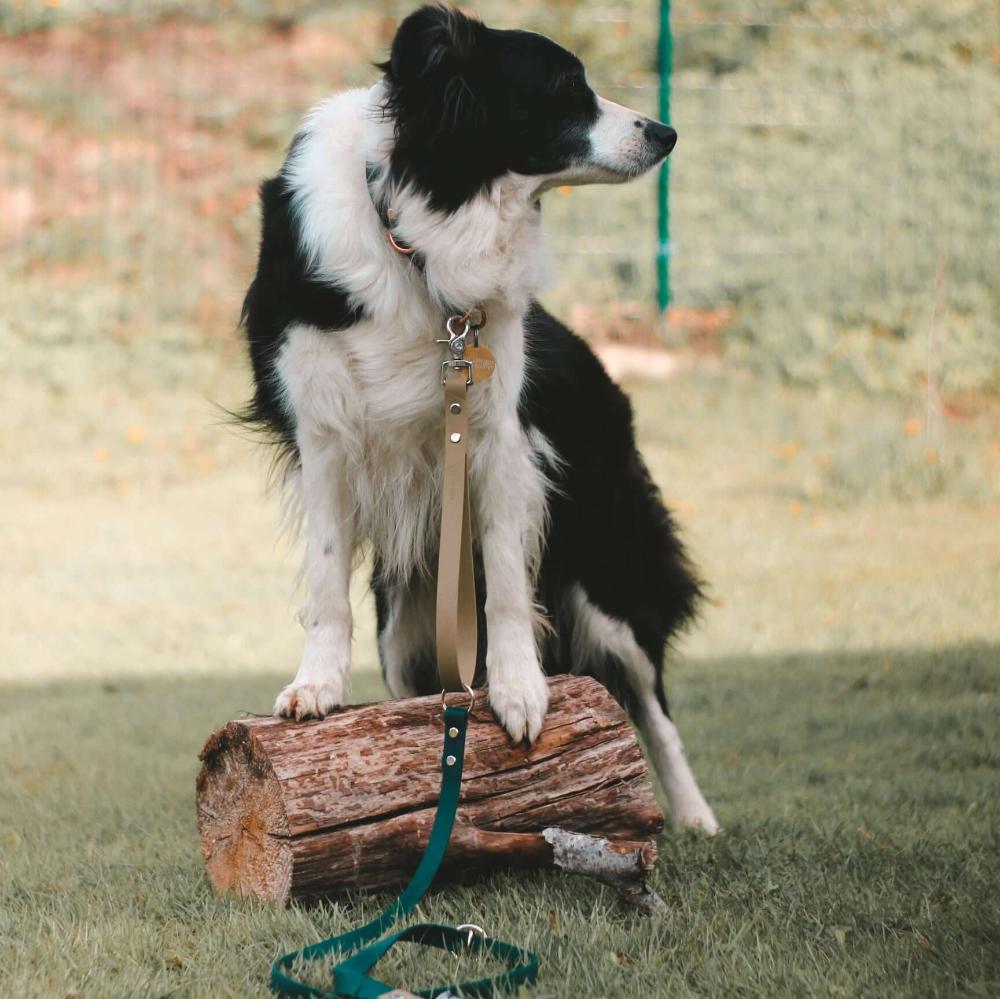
<point>859,794</point>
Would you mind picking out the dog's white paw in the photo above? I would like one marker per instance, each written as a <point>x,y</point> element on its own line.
<point>308,700</point>
<point>520,701</point>
<point>697,815</point>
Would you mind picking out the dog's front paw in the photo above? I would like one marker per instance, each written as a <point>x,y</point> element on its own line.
<point>308,700</point>
<point>520,700</point>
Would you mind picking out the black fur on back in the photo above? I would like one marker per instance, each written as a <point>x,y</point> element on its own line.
<point>608,528</point>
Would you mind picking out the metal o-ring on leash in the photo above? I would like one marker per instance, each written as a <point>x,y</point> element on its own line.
<point>468,690</point>
<point>475,317</point>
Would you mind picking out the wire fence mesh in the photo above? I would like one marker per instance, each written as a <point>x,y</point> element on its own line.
<point>834,194</point>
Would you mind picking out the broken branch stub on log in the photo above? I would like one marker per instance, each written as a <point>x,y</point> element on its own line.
<point>304,810</point>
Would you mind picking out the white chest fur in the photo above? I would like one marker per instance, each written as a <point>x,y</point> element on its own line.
<point>374,394</point>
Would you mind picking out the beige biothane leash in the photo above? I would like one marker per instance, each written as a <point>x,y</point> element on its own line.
<point>457,641</point>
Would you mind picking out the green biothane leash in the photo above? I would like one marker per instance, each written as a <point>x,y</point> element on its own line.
<point>358,954</point>
<point>357,951</point>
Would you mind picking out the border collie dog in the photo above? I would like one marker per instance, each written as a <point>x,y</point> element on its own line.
<point>397,207</point>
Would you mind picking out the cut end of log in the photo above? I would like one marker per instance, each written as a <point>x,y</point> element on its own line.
<point>241,817</point>
<point>306,810</point>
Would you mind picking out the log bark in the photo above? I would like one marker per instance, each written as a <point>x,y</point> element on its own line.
<point>306,810</point>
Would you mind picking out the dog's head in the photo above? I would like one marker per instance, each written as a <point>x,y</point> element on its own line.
<point>471,104</point>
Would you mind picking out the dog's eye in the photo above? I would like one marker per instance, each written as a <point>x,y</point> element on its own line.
<point>573,84</point>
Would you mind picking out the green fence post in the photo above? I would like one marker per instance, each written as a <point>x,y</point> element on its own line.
<point>665,64</point>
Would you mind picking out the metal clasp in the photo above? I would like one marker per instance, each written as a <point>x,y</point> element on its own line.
<point>474,931</point>
<point>458,329</point>
<point>455,366</point>
<point>456,340</point>
<point>466,326</point>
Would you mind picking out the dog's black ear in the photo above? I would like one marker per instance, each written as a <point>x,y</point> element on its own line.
<point>431,39</point>
<point>435,69</point>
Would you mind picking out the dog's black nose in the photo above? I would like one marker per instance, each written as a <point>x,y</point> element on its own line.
<point>660,135</point>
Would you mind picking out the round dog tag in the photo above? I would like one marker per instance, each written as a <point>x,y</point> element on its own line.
<point>483,362</point>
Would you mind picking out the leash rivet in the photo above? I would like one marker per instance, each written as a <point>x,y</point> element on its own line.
<point>456,437</point>
<point>455,408</point>
<point>453,732</point>
<point>450,760</point>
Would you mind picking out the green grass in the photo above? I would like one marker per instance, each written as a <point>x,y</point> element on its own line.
<point>859,793</point>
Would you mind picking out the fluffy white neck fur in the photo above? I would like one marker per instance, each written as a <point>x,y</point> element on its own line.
<point>487,250</point>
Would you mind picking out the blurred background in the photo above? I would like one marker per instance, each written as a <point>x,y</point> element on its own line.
<point>820,406</point>
<point>834,275</point>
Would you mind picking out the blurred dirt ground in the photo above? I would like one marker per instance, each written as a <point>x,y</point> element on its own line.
<point>834,205</point>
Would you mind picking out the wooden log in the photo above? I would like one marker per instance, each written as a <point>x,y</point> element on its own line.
<point>306,810</point>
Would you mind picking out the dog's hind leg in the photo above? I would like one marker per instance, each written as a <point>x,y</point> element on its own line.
<point>597,638</point>
<point>688,807</point>
<point>406,635</point>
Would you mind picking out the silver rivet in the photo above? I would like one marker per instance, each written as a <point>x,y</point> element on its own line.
<point>450,760</point>
<point>453,732</point>
<point>455,408</point>
<point>456,437</point>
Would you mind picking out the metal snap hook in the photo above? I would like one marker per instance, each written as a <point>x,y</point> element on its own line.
<point>449,326</point>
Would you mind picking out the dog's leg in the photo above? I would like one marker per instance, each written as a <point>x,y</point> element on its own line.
<point>406,640</point>
<point>597,635</point>
<point>320,684</point>
<point>688,808</point>
<point>509,509</point>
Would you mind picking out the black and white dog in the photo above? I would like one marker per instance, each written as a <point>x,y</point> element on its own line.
<point>578,562</point>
